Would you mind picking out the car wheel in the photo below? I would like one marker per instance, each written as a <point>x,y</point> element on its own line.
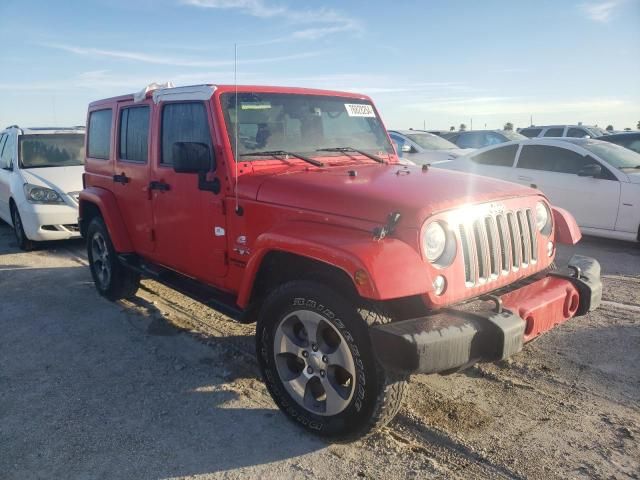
<point>316,359</point>
<point>112,279</point>
<point>21,238</point>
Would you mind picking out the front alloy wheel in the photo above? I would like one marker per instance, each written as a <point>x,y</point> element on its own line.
<point>317,362</point>
<point>100,257</point>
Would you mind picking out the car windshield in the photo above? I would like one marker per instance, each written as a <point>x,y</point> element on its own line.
<point>511,135</point>
<point>615,155</point>
<point>303,124</point>
<point>51,150</point>
<point>431,142</point>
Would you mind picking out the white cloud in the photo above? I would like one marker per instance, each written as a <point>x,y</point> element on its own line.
<point>172,61</point>
<point>326,21</point>
<point>600,11</point>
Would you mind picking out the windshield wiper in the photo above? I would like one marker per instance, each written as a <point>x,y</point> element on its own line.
<point>352,150</point>
<point>276,153</point>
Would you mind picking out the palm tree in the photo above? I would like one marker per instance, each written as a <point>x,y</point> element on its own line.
<point>463,127</point>
<point>452,128</point>
<point>609,128</point>
<point>508,126</point>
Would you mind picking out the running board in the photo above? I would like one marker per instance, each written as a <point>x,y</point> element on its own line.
<point>223,302</point>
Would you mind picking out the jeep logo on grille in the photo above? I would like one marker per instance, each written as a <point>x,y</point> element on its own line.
<point>496,208</point>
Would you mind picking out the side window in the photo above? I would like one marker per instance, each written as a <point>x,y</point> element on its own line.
<point>554,132</point>
<point>183,122</point>
<point>537,157</point>
<point>501,156</point>
<point>530,132</point>
<point>493,139</point>
<point>399,141</point>
<point>471,140</point>
<point>99,134</point>
<point>5,151</point>
<point>576,133</point>
<point>567,161</point>
<point>134,134</point>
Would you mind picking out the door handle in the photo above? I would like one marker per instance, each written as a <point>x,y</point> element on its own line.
<point>156,185</point>
<point>122,178</point>
<point>526,179</point>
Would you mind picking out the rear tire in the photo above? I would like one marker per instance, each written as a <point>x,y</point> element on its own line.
<point>21,238</point>
<point>112,279</point>
<point>318,364</point>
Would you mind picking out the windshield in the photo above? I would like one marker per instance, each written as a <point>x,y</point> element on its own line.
<point>614,155</point>
<point>511,135</point>
<point>302,124</point>
<point>431,142</point>
<point>55,150</point>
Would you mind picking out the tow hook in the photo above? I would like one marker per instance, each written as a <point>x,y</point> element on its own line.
<point>496,300</point>
<point>392,220</point>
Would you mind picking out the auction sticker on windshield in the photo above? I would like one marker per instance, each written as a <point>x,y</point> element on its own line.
<point>359,110</point>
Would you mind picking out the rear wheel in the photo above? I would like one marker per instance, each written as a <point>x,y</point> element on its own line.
<point>316,358</point>
<point>112,279</point>
<point>21,238</point>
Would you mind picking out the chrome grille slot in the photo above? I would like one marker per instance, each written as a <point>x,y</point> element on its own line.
<point>505,248</point>
<point>514,237</point>
<point>523,226</point>
<point>532,236</point>
<point>469,273</point>
<point>492,238</point>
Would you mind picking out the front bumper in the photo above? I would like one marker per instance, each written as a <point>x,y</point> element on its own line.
<point>453,339</point>
<point>49,222</point>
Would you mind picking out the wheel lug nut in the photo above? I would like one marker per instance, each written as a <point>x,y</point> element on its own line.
<point>322,373</point>
<point>305,354</point>
<point>314,347</point>
<point>325,359</point>
<point>309,370</point>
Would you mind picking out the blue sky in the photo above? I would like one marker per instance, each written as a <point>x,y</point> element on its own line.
<point>438,63</point>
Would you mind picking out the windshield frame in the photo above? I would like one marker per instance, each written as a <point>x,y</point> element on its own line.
<point>379,132</point>
<point>27,136</point>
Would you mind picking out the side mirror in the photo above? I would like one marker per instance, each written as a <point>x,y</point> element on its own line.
<point>191,157</point>
<point>591,170</point>
<point>407,148</point>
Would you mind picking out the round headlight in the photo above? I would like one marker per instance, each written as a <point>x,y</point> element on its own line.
<point>543,218</point>
<point>435,241</point>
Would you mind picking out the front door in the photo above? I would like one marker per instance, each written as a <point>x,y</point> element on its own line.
<point>189,223</point>
<point>131,173</point>
<point>592,201</point>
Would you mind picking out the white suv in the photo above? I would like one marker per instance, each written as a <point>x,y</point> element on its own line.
<point>40,181</point>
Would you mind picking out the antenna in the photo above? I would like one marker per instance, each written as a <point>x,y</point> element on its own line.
<point>235,148</point>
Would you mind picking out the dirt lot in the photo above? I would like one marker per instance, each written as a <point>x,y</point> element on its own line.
<point>163,387</point>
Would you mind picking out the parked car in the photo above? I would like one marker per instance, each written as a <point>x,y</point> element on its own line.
<point>40,180</point>
<point>482,138</point>
<point>288,207</point>
<point>630,140</point>
<point>574,131</point>
<point>598,182</point>
<point>422,147</point>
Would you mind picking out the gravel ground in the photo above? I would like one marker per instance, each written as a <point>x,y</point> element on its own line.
<point>163,387</point>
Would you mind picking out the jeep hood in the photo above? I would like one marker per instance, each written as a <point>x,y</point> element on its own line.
<point>377,190</point>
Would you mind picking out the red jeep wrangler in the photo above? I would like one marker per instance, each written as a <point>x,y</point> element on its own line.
<point>289,207</point>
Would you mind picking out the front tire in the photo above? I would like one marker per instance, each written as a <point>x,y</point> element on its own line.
<point>21,238</point>
<point>316,359</point>
<point>112,279</point>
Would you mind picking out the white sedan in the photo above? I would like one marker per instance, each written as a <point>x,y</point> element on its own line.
<point>40,181</point>
<point>598,182</point>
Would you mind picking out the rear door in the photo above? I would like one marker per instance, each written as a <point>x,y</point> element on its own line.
<point>592,201</point>
<point>131,173</point>
<point>497,162</point>
<point>189,223</point>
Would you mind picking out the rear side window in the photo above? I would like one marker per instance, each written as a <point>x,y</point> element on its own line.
<point>501,156</point>
<point>99,135</point>
<point>576,133</point>
<point>5,151</point>
<point>552,159</point>
<point>183,122</point>
<point>134,134</point>
<point>554,132</point>
<point>530,132</point>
